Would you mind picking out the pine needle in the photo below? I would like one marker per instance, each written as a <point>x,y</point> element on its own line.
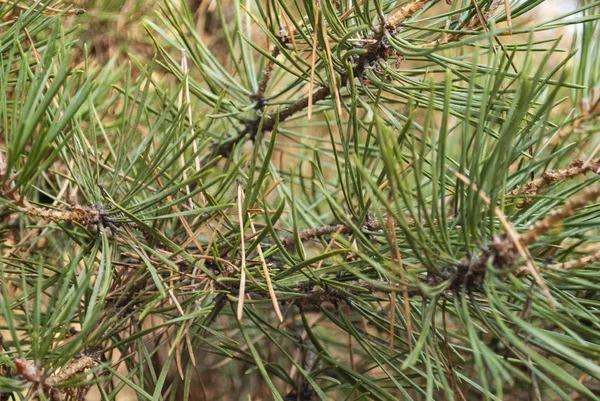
<point>313,62</point>
<point>242,291</point>
<point>335,90</point>
<point>267,277</point>
<point>515,237</point>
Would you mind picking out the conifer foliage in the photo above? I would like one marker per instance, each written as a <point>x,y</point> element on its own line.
<point>299,200</point>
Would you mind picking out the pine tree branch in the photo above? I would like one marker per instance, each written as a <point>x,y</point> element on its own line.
<point>576,168</point>
<point>377,49</point>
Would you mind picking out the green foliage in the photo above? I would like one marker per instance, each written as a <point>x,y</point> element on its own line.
<point>325,200</point>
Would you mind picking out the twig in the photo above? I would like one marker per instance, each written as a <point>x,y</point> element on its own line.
<point>578,263</point>
<point>72,11</point>
<point>577,167</point>
<point>259,96</point>
<point>591,114</point>
<point>556,216</point>
<point>312,233</point>
<point>371,224</point>
<point>251,130</point>
<point>34,374</point>
<point>94,217</point>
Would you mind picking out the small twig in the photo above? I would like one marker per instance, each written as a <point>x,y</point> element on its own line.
<point>371,224</point>
<point>577,167</point>
<point>312,233</point>
<point>578,263</point>
<point>251,130</point>
<point>591,114</point>
<point>53,11</point>
<point>405,12</point>
<point>259,96</point>
<point>557,216</point>
<point>33,374</point>
<point>94,217</point>
<point>351,11</point>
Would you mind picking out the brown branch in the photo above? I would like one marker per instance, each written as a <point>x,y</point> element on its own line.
<point>371,224</point>
<point>95,217</point>
<point>376,49</point>
<point>47,10</point>
<point>313,296</point>
<point>252,128</point>
<point>318,232</point>
<point>577,167</point>
<point>404,13</point>
<point>259,96</point>
<point>579,262</point>
<point>557,216</point>
<point>591,114</point>
<point>33,374</point>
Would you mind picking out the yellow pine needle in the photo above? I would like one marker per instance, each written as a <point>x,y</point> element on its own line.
<point>508,16</point>
<point>313,61</point>
<point>335,92</point>
<point>397,260</point>
<point>350,11</point>
<point>242,291</point>
<point>263,262</point>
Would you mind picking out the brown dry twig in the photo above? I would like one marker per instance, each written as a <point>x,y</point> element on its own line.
<point>590,114</point>
<point>94,217</point>
<point>578,263</point>
<point>33,374</point>
<point>371,224</point>
<point>576,168</point>
<point>559,215</point>
<point>318,232</point>
<point>47,10</point>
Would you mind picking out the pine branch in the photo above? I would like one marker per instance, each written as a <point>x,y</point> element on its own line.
<point>576,168</point>
<point>377,49</point>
